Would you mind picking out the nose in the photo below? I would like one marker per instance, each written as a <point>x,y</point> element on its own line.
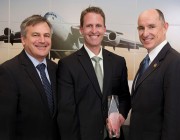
<point>42,39</point>
<point>94,29</point>
<point>145,32</point>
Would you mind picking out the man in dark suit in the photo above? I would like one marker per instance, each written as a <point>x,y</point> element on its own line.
<point>156,94</point>
<point>26,112</point>
<point>82,100</point>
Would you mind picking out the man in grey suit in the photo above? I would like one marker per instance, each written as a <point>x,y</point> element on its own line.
<point>156,94</point>
<point>82,100</point>
<point>27,109</point>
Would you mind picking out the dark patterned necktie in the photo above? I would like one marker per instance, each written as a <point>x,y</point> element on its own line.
<point>47,87</point>
<point>143,66</point>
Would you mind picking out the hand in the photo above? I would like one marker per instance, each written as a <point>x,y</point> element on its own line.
<point>113,124</point>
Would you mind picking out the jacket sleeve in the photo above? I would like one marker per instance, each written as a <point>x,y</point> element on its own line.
<point>67,110</point>
<point>171,121</point>
<point>8,103</point>
<point>124,96</point>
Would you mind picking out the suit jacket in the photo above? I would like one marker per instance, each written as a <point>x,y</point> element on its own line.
<point>156,99</point>
<point>82,108</point>
<point>24,113</point>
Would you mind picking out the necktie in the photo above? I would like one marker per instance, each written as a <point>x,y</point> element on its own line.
<point>47,86</point>
<point>98,71</point>
<point>144,66</point>
<point>99,75</point>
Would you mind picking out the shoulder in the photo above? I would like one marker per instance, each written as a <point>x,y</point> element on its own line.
<point>10,69</point>
<point>174,53</point>
<point>111,53</point>
<point>173,56</point>
<point>113,56</point>
<point>11,63</point>
<point>171,61</point>
<point>52,63</point>
<point>72,58</point>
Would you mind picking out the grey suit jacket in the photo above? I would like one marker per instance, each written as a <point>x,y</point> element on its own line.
<point>156,99</point>
<point>24,113</point>
<point>82,107</point>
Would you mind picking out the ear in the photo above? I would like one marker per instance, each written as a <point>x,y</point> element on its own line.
<point>23,40</point>
<point>81,30</point>
<point>104,28</point>
<point>166,25</point>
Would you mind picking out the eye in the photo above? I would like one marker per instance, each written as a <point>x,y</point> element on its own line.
<point>89,25</point>
<point>151,26</point>
<point>98,25</point>
<point>35,34</point>
<point>140,28</point>
<point>47,35</point>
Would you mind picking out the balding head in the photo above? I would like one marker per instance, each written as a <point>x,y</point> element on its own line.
<point>152,28</point>
<point>156,13</point>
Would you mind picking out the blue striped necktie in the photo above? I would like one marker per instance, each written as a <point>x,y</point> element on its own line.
<point>47,86</point>
<point>143,66</point>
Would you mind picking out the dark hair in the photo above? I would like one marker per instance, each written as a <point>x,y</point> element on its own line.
<point>161,15</point>
<point>33,20</point>
<point>92,9</point>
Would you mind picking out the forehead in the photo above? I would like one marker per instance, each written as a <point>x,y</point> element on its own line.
<point>149,17</point>
<point>89,17</point>
<point>39,27</point>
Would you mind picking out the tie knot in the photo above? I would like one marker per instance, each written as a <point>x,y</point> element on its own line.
<point>41,67</point>
<point>96,59</point>
<point>146,60</point>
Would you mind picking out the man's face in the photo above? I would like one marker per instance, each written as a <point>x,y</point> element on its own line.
<point>152,30</point>
<point>93,29</point>
<point>37,41</point>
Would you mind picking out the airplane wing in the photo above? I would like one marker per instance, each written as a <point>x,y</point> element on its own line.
<point>75,30</point>
<point>17,38</point>
<point>2,38</point>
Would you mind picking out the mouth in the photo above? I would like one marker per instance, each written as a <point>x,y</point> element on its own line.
<point>41,47</point>
<point>147,40</point>
<point>94,36</point>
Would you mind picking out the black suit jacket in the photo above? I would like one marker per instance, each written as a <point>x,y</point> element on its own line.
<point>82,107</point>
<point>156,99</point>
<point>24,113</point>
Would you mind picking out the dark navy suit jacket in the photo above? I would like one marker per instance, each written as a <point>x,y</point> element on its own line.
<point>24,113</point>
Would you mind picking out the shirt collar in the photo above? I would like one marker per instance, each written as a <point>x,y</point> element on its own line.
<point>35,61</point>
<point>156,50</point>
<point>91,54</point>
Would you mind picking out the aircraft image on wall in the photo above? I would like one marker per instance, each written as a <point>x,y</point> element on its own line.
<point>67,39</point>
<point>10,37</point>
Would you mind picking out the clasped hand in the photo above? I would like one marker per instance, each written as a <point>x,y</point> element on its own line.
<point>113,124</point>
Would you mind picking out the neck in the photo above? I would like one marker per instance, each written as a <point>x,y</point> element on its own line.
<point>95,50</point>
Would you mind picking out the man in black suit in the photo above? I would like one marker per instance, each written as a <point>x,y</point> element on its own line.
<point>26,113</point>
<point>82,101</point>
<point>156,94</point>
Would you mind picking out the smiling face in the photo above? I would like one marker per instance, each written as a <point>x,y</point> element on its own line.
<point>37,41</point>
<point>93,30</point>
<point>152,29</point>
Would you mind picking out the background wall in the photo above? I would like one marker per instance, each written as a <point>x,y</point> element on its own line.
<point>121,16</point>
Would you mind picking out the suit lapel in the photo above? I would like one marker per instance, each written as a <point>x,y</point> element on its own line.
<point>152,67</point>
<point>107,64</point>
<point>52,75</point>
<point>32,73</point>
<point>86,63</point>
